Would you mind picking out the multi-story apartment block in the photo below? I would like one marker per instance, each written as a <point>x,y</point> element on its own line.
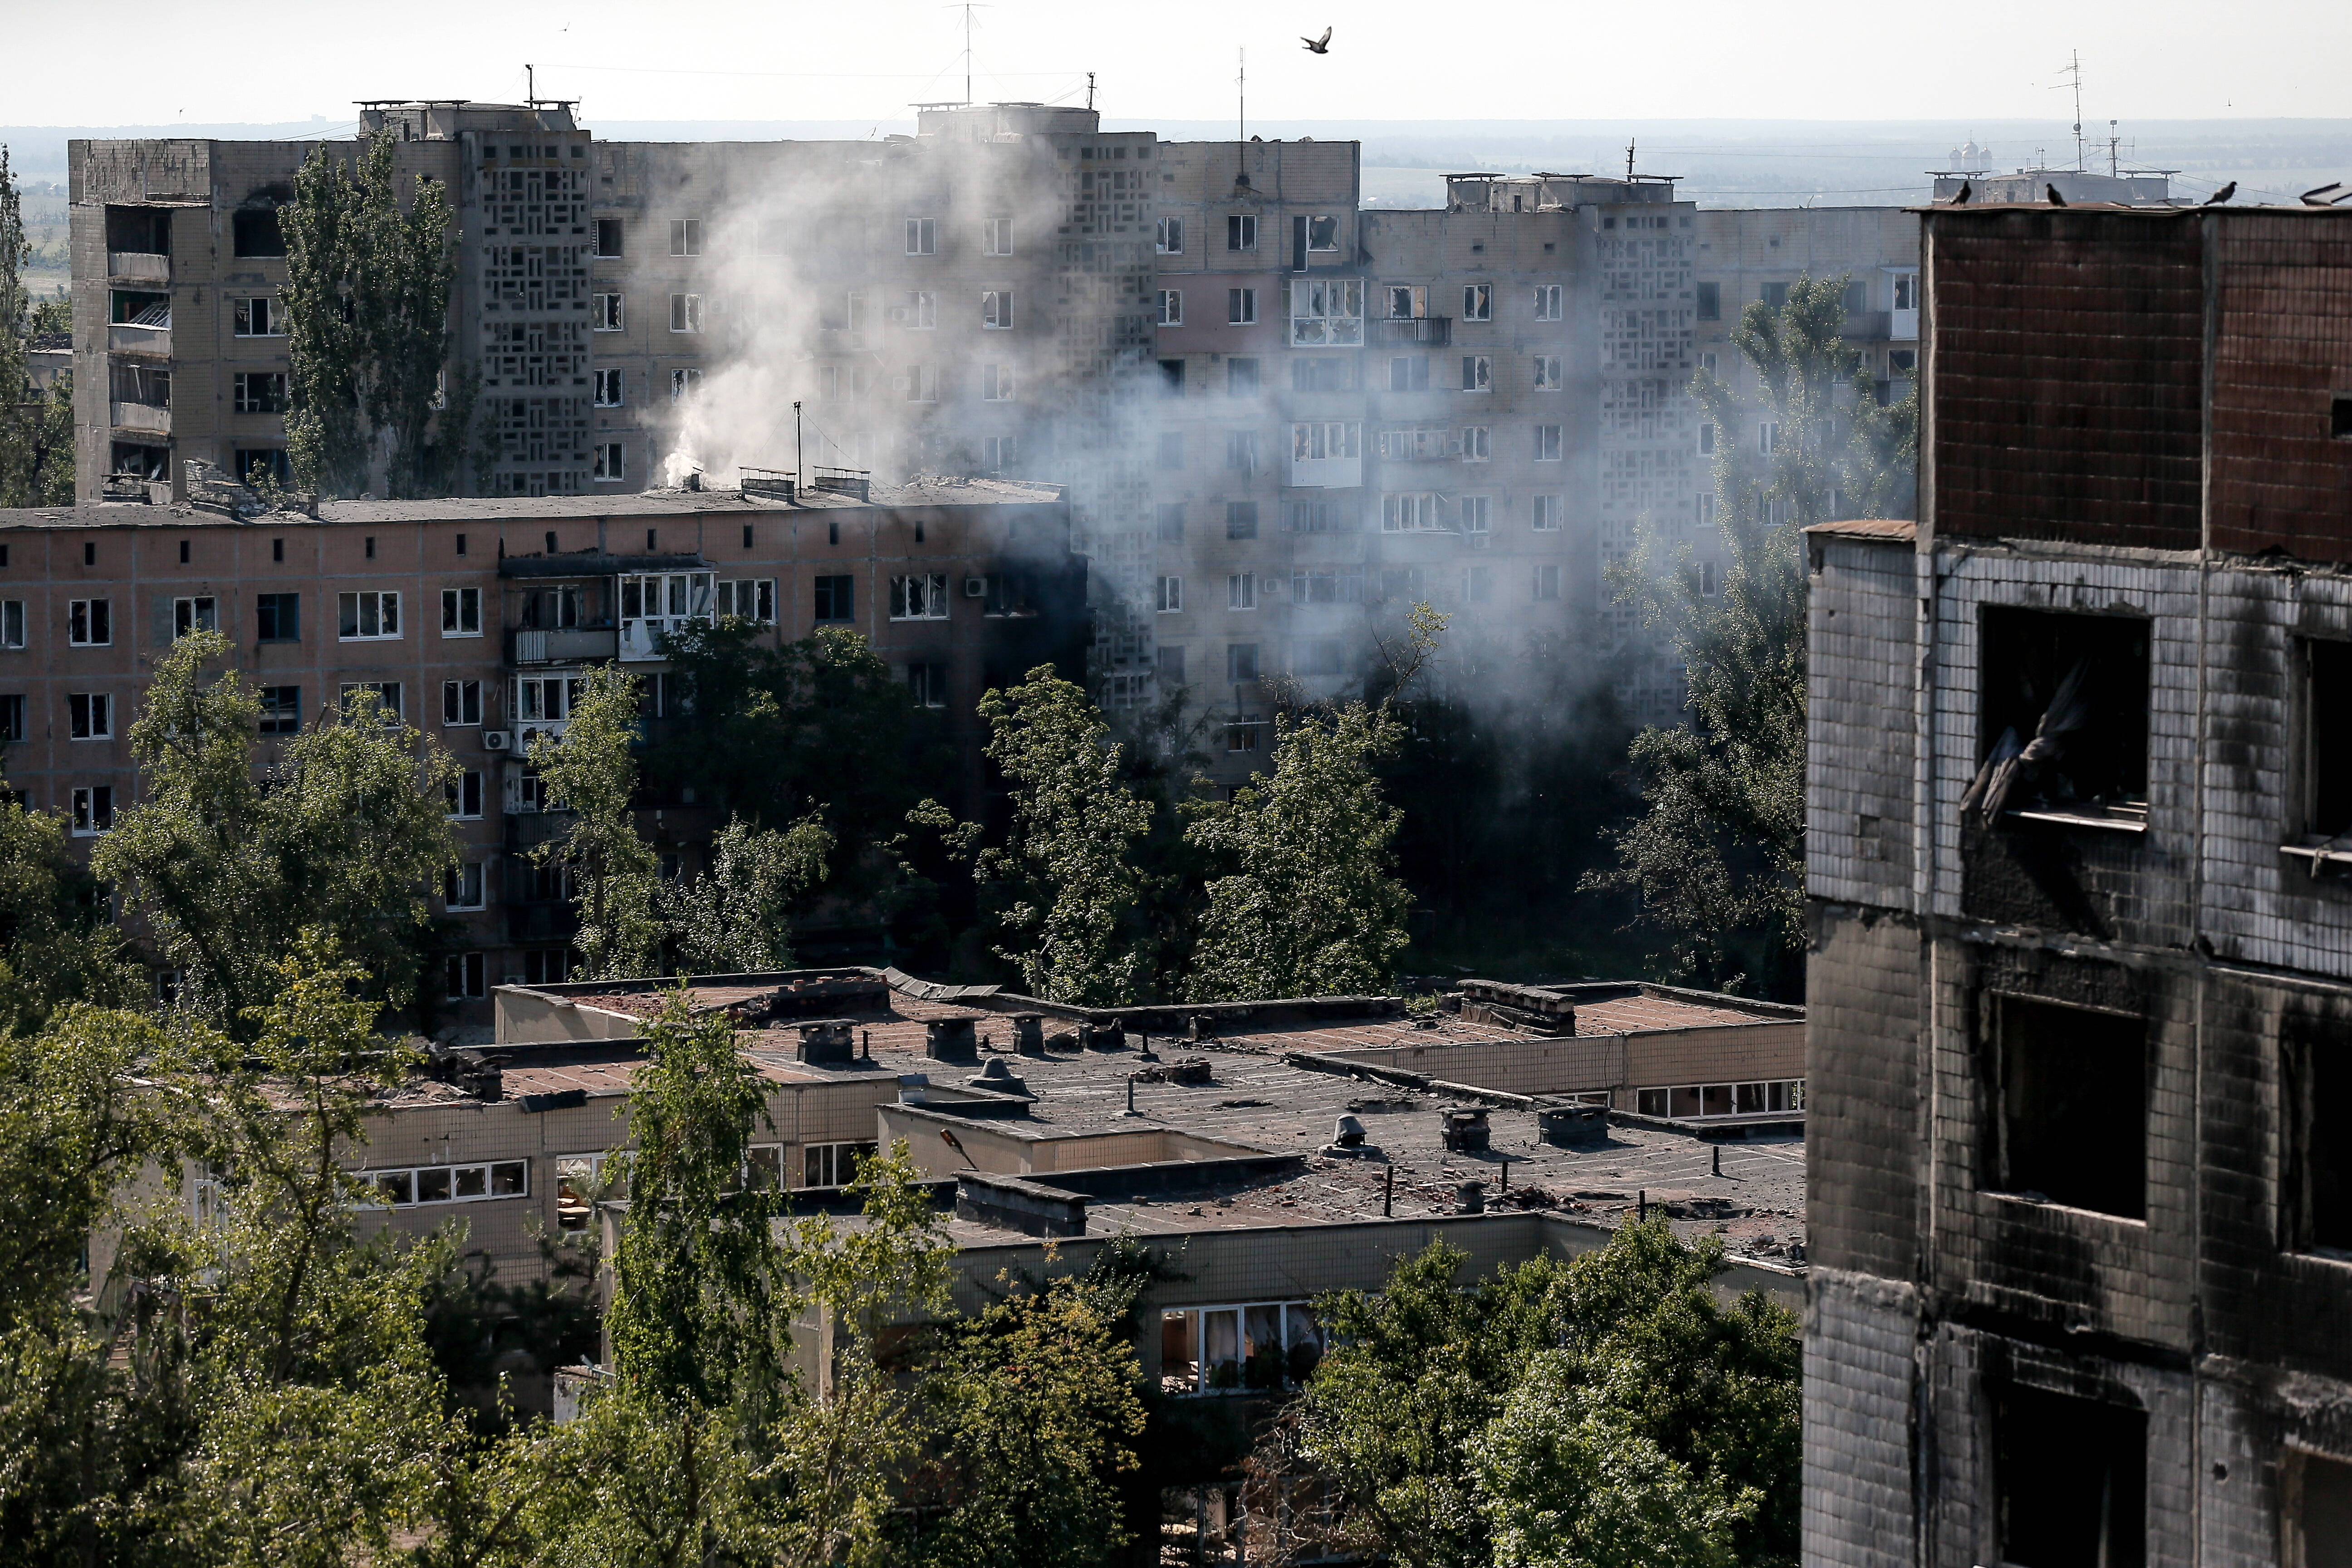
<point>1278,420</point>
<point>2080,989</point>
<point>474,619</point>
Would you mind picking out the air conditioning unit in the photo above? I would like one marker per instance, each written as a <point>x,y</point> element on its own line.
<point>498,739</point>
<point>975,587</point>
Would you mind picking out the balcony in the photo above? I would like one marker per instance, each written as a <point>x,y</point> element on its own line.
<point>142,418</point>
<point>145,342</point>
<point>1435,331</point>
<point>562,645</point>
<point>138,266</point>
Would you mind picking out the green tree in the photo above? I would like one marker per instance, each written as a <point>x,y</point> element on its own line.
<point>35,427</point>
<point>1717,854</point>
<point>591,774</point>
<point>367,304</point>
<point>57,942</point>
<point>348,839</point>
<point>736,917</point>
<point>1065,871</point>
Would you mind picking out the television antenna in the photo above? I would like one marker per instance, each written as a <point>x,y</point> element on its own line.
<point>967,7</point>
<point>2073,72</point>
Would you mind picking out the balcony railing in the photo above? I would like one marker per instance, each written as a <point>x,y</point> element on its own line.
<point>138,266</point>
<point>1434,331</point>
<point>143,418</point>
<point>151,342</point>
<point>562,645</point>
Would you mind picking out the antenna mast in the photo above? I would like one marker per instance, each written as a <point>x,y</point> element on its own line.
<point>1090,90</point>
<point>530,86</point>
<point>1629,160</point>
<point>966,65</point>
<point>2074,70</point>
<point>2115,170</point>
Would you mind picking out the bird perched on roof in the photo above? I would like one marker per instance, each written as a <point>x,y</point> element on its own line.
<point>1321,46</point>
<point>1960,197</point>
<point>2223,195</point>
<point>2055,199</point>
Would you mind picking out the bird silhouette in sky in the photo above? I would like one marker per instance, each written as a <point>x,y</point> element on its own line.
<point>2223,195</point>
<point>1321,46</point>
<point>2055,199</point>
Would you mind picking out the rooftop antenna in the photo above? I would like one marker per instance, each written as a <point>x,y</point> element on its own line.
<point>2115,170</point>
<point>1629,160</point>
<point>1090,90</point>
<point>2073,74</point>
<point>1241,118</point>
<point>968,7</point>
<point>530,86</point>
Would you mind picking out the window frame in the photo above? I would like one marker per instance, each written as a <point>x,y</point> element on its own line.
<point>919,596</point>
<point>686,314</point>
<point>461,704</point>
<point>458,607</point>
<point>606,313</point>
<point>89,623</point>
<point>351,606</point>
<point>1168,236</point>
<point>91,811</point>
<point>1477,301</point>
<point>685,237</point>
<point>996,309</point>
<point>90,716</point>
<point>195,613</point>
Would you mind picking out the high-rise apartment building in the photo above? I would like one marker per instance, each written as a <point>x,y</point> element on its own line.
<point>2080,989</point>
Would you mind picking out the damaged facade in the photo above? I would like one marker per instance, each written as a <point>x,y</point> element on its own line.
<point>2079,992</point>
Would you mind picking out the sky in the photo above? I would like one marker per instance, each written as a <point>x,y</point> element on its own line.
<point>266,61</point>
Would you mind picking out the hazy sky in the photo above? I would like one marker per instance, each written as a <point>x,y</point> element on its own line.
<point>151,62</point>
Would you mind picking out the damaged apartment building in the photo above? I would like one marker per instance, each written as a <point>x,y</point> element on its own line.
<point>1278,419</point>
<point>2081,988</point>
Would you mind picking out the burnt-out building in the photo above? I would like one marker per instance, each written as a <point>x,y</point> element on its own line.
<point>2080,1011</point>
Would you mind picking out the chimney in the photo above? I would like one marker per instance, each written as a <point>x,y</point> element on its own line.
<point>1029,1034</point>
<point>828,1042</point>
<point>950,1040</point>
<point>1470,1197</point>
<point>1464,1131</point>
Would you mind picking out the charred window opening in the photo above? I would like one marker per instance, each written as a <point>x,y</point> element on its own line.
<point>2072,1085</point>
<point>2062,725</point>
<point>257,233</point>
<point>2071,1476</point>
<point>2327,741</point>
<point>143,231</point>
<point>2318,1508</point>
<point>2339,417</point>
<point>2316,1077</point>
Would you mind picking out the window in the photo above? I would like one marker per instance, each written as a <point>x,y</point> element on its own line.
<point>1241,231</point>
<point>1171,307</point>
<point>608,389</point>
<point>196,615</point>
<point>1241,376</point>
<point>368,616</point>
<point>1768,437</point>
<point>1413,512</point>
<point>684,382</point>
<point>1322,234</point>
<point>1171,522</point>
<point>461,612</point>
<point>2070,1477</point>
<point>1709,302</point>
<point>1478,584</point>
<point>685,313</point>
<point>1906,290</point>
<point>1775,295</point>
<point>464,794</point>
<point>281,710</point>
<point>1409,373</point>
<point>836,598</point>
<point>1858,298</point>
<point>2078,682</point>
<point>612,462</point>
<point>93,810</point>
<point>1169,663</point>
<point>1547,372</point>
<point>996,383</point>
<point>1171,448</point>
<point>1477,521</point>
<point>1477,372</point>
<point>12,718</point>
<point>999,452</point>
<point>450,1184</point>
<point>832,1164</point>
<point>1544,513</point>
<point>686,236</point>
<point>1327,312</point>
<point>462,979</point>
<point>1547,444</point>
<point>922,383</point>
<point>748,598</point>
<point>1241,519</point>
<point>996,236</point>
<point>608,238</point>
<point>1171,236</point>
<point>1696,1100</point>
<point>257,233</point>
<point>1239,1349</point>
<point>921,311</point>
<point>461,888</point>
<point>1902,362</point>
<point>461,703</point>
<point>1241,590</point>
<point>545,697</point>
<point>1548,302</point>
<point>1478,443</point>
<point>92,714</point>
<point>921,597</point>
<point>2071,1086</point>
<point>89,623</point>
<point>1408,301</point>
<point>996,309</point>
<point>1241,661</point>
<point>1171,596</point>
<point>1477,301</point>
<point>1171,385</point>
<point>1547,583</point>
<point>386,692</point>
<point>1706,437</point>
<point>1241,451</point>
<point>1241,307</point>
<point>922,236</point>
<point>580,1179</point>
<point>257,392</point>
<point>12,623</point>
<point>278,617</point>
<point>604,312</point>
<point>1318,516</point>
<point>256,316</point>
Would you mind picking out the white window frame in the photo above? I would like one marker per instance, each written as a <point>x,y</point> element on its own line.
<point>1171,307</point>
<point>1476,516</point>
<point>87,616</point>
<point>461,612</point>
<point>1548,302</point>
<point>1241,231</point>
<point>1241,590</point>
<point>90,716</point>
<point>1548,443</point>
<point>686,236</point>
<point>1170,236</point>
<point>1171,596</point>
<point>364,609</point>
<point>93,810</point>
<point>605,313</point>
<point>747,599</point>
<point>922,383</point>
<point>919,596</point>
<point>996,236</point>
<point>1413,296</point>
<point>544,699</point>
<point>1548,369</point>
<point>12,623</point>
<point>1477,301</point>
<point>1205,1380</point>
<point>199,612</point>
<point>1327,312</point>
<point>922,310</point>
<point>398,1188</point>
<point>996,309</point>
<point>686,313</point>
<point>1477,443</point>
<point>1768,437</point>
<point>1000,451</point>
<point>1544,586</point>
<point>244,308</point>
<point>1241,307</point>
<point>996,383</point>
<point>461,704</point>
<point>831,1157</point>
<point>612,463</point>
<point>1545,512</point>
<point>465,886</point>
<point>685,381</point>
<point>611,388</point>
<point>1409,512</point>
<point>922,236</point>
<point>388,699</point>
<point>464,794</point>
<point>1477,372</point>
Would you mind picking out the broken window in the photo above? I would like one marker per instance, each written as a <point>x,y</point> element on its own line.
<point>258,391</point>
<point>1171,307</point>
<point>2327,741</point>
<point>1408,301</point>
<point>258,316</point>
<point>2315,1077</point>
<point>2070,1477</point>
<point>256,232</point>
<point>1548,368</point>
<point>608,238</point>
<point>278,617</point>
<point>999,452</point>
<point>748,598</point>
<point>837,598</point>
<point>93,810</point>
<point>1171,596</point>
<point>684,382</point>
<point>1477,301</point>
<point>1544,514</point>
<point>450,1184</point>
<point>93,715</point>
<point>12,719</point>
<point>2071,1085</point>
<point>1477,443</point>
<point>1219,1350</point>
<point>1322,234</point>
<point>1548,302</point>
<point>1477,527</point>
<point>461,612</point>
<point>996,383</point>
<point>1412,511</point>
<point>1327,312</point>
<point>606,312</point>
<point>386,692</point>
<point>1171,236</point>
<point>685,313</point>
<point>832,1164</point>
<point>609,389</point>
<point>996,309</point>
<point>927,685</point>
<point>369,616</point>
<point>922,383</point>
<point>1241,519</point>
<point>281,710</point>
<point>2062,729</point>
<point>1547,444</point>
<point>1241,661</point>
<point>920,597</point>
<point>195,614</point>
<point>2318,1510</point>
<point>921,313</point>
<point>1241,451</point>
<point>461,888</point>
<point>1709,300</point>
<point>89,623</point>
<point>1477,372</point>
<point>461,703</point>
<point>1241,231</point>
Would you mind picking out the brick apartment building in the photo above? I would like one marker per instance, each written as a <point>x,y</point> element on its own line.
<point>1273,415</point>
<point>2080,991</point>
<point>476,618</point>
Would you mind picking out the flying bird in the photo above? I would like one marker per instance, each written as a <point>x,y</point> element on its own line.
<point>1321,46</point>
<point>1961,196</point>
<point>2055,199</point>
<point>2223,195</point>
